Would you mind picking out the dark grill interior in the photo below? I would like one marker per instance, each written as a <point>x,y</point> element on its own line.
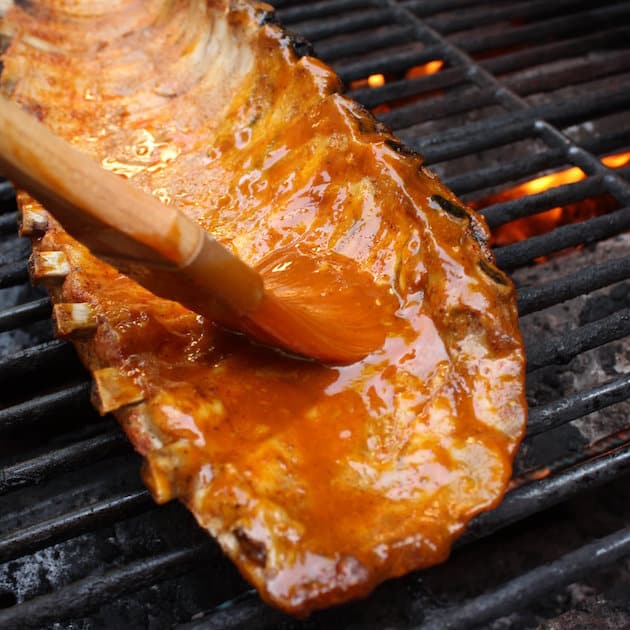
<point>526,88</point>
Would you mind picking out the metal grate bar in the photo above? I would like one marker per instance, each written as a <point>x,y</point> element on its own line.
<point>53,462</point>
<point>86,595</point>
<point>102,589</point>
<point>531,164</point>
<point>562,348</point>
<point>504,128</point>
<point>439,107</point>
<point>501,213</point>
<point>545,79</point>
<point>576,23</point>
<point>536,298</point>
<point>19,250</point>
<point>390,63</point>
<point>557,112</point>
<point>244,611</point>
<point>8,222</point>
<point>423,8</point>
<point>52,531</point>
<point>459,145</point>
<point>13,274</point>
<point>278,4</point>
<point>34,359</point>
<point>342,24</point>
<point>499,13</point>
<point>608,143</point>
<point>503,172</point>
<point>517,505</point>
<point>24,314</point>
<point>582,72</point>
<point>311,10</point>
<point>559,412</point>
<point>370,97</point>
<point>7,196</point>
<point>36,409</point>
<point>554,51</point>
<point>535,584</point>
<point>588,231</point>
<point>615,184</point>
<point>532,498</point>
<point>331,49</point>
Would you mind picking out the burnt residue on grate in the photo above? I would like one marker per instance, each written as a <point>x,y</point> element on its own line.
<point>495,95</point>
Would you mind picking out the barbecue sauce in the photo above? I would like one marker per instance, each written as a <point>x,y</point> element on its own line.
<point>319,480</point>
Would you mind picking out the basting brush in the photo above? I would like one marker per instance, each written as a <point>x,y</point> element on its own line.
<point>312,303</point>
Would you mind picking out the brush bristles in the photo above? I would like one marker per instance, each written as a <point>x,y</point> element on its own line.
<point>329,333</point>
<point>318,305</point>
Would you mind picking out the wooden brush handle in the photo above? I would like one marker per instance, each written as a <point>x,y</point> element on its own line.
<point>117,221</point>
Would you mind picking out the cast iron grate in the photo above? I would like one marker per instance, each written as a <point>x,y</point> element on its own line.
<point>505,69</point>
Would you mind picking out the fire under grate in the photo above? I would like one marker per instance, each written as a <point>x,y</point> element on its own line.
<point>494,96</point>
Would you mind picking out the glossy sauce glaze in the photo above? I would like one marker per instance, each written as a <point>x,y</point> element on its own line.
<point>318,480</point>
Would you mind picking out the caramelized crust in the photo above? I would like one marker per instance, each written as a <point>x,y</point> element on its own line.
<point>319,481</point>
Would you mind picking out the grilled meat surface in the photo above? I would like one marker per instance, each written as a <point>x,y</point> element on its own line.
<point>319,481</point>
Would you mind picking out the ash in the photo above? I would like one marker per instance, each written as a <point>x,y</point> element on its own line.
<point>588,369</point>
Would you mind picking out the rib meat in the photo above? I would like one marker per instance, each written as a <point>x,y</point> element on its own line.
<point>319,481</point>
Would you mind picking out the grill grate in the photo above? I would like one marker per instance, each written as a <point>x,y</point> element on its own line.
<point>492,93</point>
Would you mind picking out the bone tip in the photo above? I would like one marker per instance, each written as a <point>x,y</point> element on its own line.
<point>159,483</point>
<point>114,389</point>
<point>33,223</point>
<point>49,267</point>
<point>166,469</point>
<point>72,320</point>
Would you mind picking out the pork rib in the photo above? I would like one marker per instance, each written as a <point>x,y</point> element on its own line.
<point>319,481</point>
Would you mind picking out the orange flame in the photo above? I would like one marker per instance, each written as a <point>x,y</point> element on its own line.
<point>377,80</point>
<point>424,70</point>
<point>617,161</point>
<point>536,224</point>
<point>540,184</point>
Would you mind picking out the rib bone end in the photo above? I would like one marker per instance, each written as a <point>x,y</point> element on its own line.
<point>113,390</point>
<point>74,319</point>
<point>33,223</point>
<point>162,470</point>
<point>49,268</point>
